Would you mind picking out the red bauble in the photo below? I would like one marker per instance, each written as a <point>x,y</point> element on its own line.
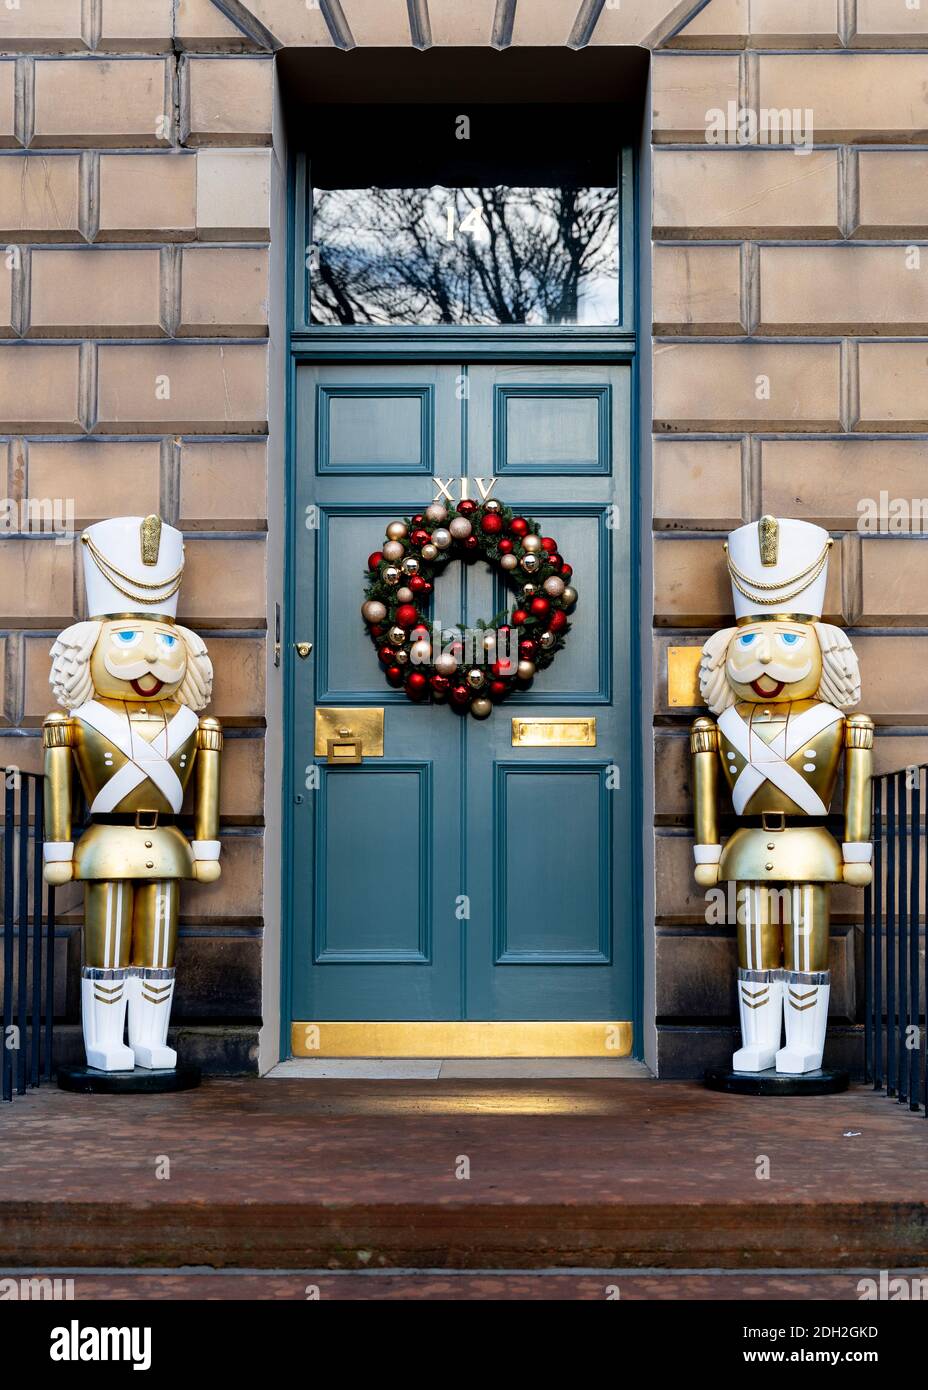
<point>566,571</point>
<point>386,655</point>
<point>418,520</point>
<point>492,523</point>
<point>416,685</point>
<point>528,649</point>
<point>498,689</point>
<point>518,617</point>
<point>503,631</point>
<point>555,561</point>
<point>407,615</point>
<point>506,546</point>
<point>395,675</point>
<point>376,630</point>
<point>467,507</point>
<point>440,684</point>
<point>557,622</point>
<point>375,560</point>
<point>518,526</point>
<point>417,583</point>
<point>419,634</point>
<point>471,545</point>
<point>426,588</point>
<point>420,536</point>
<point>540,607</point>
<point>460,694</point>
<point>504,667</point>
<point>548,544</point>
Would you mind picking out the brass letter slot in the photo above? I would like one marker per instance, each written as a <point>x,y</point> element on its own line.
<point>554,733</point>
<point>347,736</point>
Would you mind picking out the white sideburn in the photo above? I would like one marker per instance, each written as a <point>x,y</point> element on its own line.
<point>760,1002</point>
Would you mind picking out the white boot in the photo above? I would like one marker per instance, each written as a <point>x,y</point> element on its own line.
<point>150,996</point>
<point>104,995</point>
<point>805,1002</point>
<point>760,998</point>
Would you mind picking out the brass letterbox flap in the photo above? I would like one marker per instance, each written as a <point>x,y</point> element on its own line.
<point>554,733</point>
<point>361,724</point>
<point>683,676</point>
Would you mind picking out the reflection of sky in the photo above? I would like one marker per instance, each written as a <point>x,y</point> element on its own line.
<point>390,254</point>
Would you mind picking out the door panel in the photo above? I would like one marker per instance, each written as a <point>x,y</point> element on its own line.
<point>460,877</point>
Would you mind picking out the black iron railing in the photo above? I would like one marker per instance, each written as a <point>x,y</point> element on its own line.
<point>895,909</point>
<point>28,939</point>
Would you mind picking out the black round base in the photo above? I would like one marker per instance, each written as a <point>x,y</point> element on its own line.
<point>828,1081</point>
<point>89,1081</point>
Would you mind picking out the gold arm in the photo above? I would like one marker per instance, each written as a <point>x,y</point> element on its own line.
<point>704,745</point>
<point>858,771</point>
<point>57,735</point>
<point>209,756</point>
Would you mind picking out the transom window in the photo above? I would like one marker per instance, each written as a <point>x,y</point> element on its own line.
<point>434,216</point>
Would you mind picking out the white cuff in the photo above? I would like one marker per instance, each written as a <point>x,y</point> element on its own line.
<point>707,854</point>
<point>205,849</point>
<point>58,851</point>
<point>857,852</point>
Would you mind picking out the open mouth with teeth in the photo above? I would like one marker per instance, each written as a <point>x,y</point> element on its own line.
<point>147,685</point>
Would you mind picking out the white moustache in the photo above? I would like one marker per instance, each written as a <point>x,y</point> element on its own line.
<point>785,674</point>
<point>167,675</point>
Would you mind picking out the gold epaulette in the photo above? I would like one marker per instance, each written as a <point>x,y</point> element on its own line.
<point>858,731</point>
<point>57,732</point>
<point>704,736</point>
<point>209,734</point>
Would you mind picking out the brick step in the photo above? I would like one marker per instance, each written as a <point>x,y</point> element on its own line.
<point>571,1174</point>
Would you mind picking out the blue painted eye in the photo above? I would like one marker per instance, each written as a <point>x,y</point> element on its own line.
<point>747,639</point>
<point>167,641</point>
<point>127,638</point>
<point>790,639</point>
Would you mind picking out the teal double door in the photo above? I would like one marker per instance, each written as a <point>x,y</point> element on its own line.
<point>464,875</point>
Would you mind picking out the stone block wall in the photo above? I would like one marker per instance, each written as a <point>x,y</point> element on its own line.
<point>790,376</point>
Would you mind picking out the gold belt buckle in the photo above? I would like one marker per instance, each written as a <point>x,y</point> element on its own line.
<point>776,816</point>
<point>146,820</point>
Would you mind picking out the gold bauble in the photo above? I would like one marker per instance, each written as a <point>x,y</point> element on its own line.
<point>475,678</point>
<point>420,653</point>
<point>405,595</point>
<point>491,505</point>
<point>410,565</point>
<point>430,551</point>
<point>529,590</point>
<point>489,641</point>
<point>436,511</point>
<point>481,707</point>
<point>530,563</point>
<point>531,543</point>
<point>547,640</point>
<point>391,575</point>
<point>396,530</point>
<point>460,528</point>
<point>554,586</point>
<point>570,596</point>
<point>393,551</point>
<point>508,562</point>
<point>373,611</point>
<point>401,657</point>
<point>441,537</point>
<point>445,664</point>
<point>525,670</point>
<point>396,636</point>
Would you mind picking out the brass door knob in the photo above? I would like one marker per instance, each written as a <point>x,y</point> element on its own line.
<point>303,649</point>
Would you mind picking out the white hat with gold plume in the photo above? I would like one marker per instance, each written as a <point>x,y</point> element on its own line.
<point>132,564</point>
<point>778,569</point>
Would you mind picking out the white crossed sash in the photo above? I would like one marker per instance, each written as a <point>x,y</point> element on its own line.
<point>769,762</point>
<point>146,761</point>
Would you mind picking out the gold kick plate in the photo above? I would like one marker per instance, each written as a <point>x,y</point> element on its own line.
<point>683,677</point>
<point>554,733</point>
<point>461,1038</point>
<point>347,736</point>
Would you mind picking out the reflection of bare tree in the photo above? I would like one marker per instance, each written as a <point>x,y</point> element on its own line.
<point>516,255</point>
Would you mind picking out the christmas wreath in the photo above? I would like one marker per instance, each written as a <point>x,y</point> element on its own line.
<point>475,667</point>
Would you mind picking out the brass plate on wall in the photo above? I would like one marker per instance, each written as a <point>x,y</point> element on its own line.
<point>683,676</point>
<point>358,722</point>
<point>554,733</point>
<point>459,1038</point>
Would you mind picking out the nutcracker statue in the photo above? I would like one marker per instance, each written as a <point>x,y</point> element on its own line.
<point>131,680</point>
<point>779,683</point>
